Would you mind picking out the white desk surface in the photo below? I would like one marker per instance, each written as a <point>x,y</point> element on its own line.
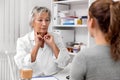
<point>62,74</point>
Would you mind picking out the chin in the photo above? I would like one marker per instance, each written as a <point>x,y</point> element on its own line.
<point>43,31</point>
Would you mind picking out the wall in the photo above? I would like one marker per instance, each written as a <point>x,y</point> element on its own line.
<point>9,23</point>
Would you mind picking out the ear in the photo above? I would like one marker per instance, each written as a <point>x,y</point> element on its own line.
<point>91,23</point>
<point>91,26</point>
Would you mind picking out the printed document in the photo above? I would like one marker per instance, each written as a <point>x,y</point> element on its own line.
<point>45,78</point>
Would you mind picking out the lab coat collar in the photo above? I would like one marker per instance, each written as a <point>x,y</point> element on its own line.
<point>32,39</point>
<point>32,36</point>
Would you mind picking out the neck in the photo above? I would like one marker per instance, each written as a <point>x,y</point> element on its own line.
<point>100,39</point>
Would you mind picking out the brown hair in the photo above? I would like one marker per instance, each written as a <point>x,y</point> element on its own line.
<point>107,14</point>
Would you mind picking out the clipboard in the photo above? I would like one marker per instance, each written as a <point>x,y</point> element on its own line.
<point>44,78</point>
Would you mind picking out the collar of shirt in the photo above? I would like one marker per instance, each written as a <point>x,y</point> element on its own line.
<point>33,40</point>
<point>32,36</point>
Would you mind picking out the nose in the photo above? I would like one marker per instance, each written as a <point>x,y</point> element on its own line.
<point>43,22</point>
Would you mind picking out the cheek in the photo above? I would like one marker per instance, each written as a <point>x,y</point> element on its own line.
<point>36,27</point>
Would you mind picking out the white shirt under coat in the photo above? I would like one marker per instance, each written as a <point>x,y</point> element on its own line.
<point>46,62</point>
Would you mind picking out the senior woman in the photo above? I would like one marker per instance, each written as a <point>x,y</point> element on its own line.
<point>40,50</point>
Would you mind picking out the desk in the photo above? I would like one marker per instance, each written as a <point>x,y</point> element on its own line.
<point>62,74</point>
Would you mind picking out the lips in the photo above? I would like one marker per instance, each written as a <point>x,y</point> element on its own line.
<point>44,28</point>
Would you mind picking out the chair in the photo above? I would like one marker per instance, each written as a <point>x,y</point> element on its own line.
<point>14,73</point>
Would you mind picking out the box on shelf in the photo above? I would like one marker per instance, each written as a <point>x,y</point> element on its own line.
<point>84,19</point>
<point>69,20</point>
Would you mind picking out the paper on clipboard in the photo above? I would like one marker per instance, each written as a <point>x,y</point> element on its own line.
<point>45,78</point>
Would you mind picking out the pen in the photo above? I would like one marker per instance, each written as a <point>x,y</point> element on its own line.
<point>68,77</point>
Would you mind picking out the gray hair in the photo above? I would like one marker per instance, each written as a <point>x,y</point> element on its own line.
<point>38,10</point>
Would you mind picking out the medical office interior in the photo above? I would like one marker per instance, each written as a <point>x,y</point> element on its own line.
<point>69,19</point>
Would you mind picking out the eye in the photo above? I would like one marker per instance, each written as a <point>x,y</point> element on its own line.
<point>47,20</point>
<point>40,20</point>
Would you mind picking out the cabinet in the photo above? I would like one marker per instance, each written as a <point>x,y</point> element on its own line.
<point>70,20</point>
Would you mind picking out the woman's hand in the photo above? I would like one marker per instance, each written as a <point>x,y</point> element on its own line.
<point>39,40</point>
<point>49,39</point>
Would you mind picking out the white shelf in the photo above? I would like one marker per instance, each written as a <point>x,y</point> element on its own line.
<point>75,8</point>
<point>76,26</point>
<point>71,2</point>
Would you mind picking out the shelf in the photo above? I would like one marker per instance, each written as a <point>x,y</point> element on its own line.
<point>70,29</point>
<point>76,26</point>
<point>71,2</point>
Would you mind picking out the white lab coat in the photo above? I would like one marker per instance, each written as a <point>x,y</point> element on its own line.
<point>46,63</point>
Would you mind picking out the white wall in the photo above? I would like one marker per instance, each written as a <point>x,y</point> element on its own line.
<point>9,23</point>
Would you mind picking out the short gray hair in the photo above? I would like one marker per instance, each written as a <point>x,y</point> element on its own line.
<point>38,10</point>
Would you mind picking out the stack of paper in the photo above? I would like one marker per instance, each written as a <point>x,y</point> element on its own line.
<point>45,78</point>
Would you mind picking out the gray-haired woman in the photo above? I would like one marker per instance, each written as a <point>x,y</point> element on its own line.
<point>40,50</point>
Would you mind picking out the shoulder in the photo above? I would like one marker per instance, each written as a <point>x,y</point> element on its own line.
<point>87,52</point>
<point>25,38</point>
<point>94,52</point>
<point>55,34</point>
<point>57,38</point>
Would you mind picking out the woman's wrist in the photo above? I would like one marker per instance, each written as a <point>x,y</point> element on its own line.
<point>55,49</point>
<point>34,53</point>
<point>37,46</point>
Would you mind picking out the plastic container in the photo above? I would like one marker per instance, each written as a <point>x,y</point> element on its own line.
<point>78,21</point>
<point>84,20</point>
